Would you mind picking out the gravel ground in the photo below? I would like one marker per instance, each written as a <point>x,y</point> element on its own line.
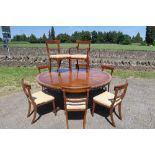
<point>138,111</point>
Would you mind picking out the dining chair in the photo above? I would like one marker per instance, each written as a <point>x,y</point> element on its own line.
<point>75,99</point>
<point>85,44</point>
<point>58,56</point>
<point>110,68</point>
<point>42,68</point>
<point>110,100</point>
<point>36,100</point>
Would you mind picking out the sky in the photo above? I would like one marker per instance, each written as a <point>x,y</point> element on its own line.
<point>40,30</point>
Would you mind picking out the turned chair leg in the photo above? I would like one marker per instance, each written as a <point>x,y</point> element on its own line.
<point>108,87</point>
<point>87,62</point>
<point>84,120</point>
<point>66,113</point>
<point>59,64</point>
<point>120,112</point>
<point>34,115</point>
<point>77,64</point>
<point>54,109</point>
<point>50,65</point>
<point>70,67</point>
<point>29,110</point>
<point>112,118</point>
<point>93,109</point>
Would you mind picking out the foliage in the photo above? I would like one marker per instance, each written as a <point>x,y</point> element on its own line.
<point>52,33</point>
<point>42,39</point>
<point>150,35</point>
<point>94,37</point>
<point>83,35</point>
<point>126,40</point>
<point>33,39</point>
<point>137,38</point>
<point>63,37</point>
<point>21,37</point>
<point>1,40</point>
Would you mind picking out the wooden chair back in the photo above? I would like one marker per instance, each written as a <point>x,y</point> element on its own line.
<point>43,67</point>
<point>120,91</point>
<point>108,67</point>
<point>27,90</point>
<point>82,92</point>
<point>83,42</point>
<point>53,42</point>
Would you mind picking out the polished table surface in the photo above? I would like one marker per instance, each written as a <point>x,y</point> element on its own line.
<point>93,78</point>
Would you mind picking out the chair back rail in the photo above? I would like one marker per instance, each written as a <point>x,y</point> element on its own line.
<point>27,90</point>
<point>56,42</point>
<point>120,91</point>
<point>108,67</point>
<point>76,90</point>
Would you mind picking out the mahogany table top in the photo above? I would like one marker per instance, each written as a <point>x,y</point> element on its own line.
<point>93,78</point>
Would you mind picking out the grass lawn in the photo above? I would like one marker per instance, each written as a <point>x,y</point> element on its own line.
<point>94,46</point>
<point>10,77</point>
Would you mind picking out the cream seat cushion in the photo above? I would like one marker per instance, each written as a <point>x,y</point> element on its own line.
<point>78,56</point>
<point>77,105</point>
<point>106,99</point>
<point>41,98</point>
<point>60,56</point>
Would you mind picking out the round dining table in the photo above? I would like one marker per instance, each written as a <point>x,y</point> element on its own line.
<point>93,78</point>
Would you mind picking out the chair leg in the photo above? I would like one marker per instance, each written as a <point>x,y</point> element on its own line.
<point>112,118</point>
<point>66,113</point>
<point>84,120</point>
<point>29,110</point>
<point>70,64</point>
<point>120,112</point>
<point>108,87</point>
<point>50,65</point>
<point>87,62</point>
<point>58,64</point>
<point>54,109</point>
<point>34,116</point>
<point>77,64</point>
<point>93,109</point>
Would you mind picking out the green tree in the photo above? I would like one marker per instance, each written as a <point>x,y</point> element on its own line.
<point>0,39</point>
<point>44,38</point>
<point>85,35</point>
<point>126,40</point>
<point>137,38</point>
<point>150,35</point>
<point>65,38</point>
<point>75,36</point>
<point>94,37</point>
<point>33,39</point>
<point>21,37</point>
<point>120,37</point>
<point>52,33</point>
<point>49,35</point>
<point>101,37</point>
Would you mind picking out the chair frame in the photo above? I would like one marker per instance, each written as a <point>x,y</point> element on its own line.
<point>86,42</point>
<point>27,90</point>
<point>75,90</point>
<point>57,42</point>
<point>43,67</point>
<point>108,67</point>
<point>117,89</point>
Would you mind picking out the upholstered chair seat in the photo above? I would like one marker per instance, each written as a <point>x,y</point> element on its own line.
<point>42,98</point>
<point>60,56</point>
<point>106,99</point>
<point>78,56</point>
